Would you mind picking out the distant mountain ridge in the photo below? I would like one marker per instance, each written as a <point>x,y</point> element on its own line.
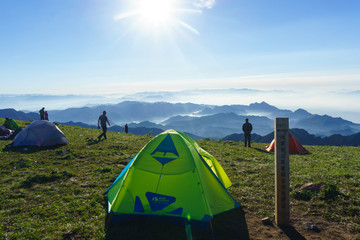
<point>201,120</point>
<point>304,138</point>
<point>12,113</point>
<point>125,112</point>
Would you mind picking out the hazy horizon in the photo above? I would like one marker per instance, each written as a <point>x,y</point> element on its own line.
<point>280,99</point>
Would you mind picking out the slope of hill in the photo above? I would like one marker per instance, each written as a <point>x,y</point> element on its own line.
<point>134,129</point>
<point>137,130</point>
<point>79,124</point>
<point>239,137</point>
<point>58,192</point>
<point>302,135</point>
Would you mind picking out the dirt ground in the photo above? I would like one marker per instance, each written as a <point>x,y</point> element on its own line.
<point>301,227</point>
<point>234,225</point>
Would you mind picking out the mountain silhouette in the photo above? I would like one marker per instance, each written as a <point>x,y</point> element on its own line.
<point>201,120</point>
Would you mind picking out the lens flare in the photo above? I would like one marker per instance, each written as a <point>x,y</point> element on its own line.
<point>158,15</point>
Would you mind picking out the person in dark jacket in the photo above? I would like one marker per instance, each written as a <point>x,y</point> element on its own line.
<point>102,121</point>
<point>126,128</point>
<point>42,113</point>
<point>247,128</point>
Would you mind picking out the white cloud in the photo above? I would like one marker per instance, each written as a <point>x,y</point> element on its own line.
<point>204,3</point>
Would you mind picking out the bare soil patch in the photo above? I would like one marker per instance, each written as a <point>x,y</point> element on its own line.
<point>301,227</point>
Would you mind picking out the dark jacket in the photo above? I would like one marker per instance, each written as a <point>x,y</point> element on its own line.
<point>247,128</point>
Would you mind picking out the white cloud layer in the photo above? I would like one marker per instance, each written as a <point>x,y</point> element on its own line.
<point>343,104</point>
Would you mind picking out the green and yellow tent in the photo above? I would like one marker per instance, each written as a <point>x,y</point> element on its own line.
<point>171,176</point>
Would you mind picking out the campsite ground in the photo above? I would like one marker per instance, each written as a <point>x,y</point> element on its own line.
<point>300,228</point>
<point>58,193</point>
<point>236,225</point>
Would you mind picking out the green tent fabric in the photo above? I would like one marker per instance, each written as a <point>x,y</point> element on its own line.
<point>11,124</point>
<point>210,160</point>
<point>171,176</point>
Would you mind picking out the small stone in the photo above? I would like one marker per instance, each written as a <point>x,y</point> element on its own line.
<point>343,191</point>
<point>266,221</point>
<point>312,227</point>
<point>313,187</point>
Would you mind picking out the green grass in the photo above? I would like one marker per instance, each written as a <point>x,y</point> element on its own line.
<point>58,193</point>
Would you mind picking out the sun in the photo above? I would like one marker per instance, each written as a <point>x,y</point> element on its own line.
<point>156,12</point>
<point>157,15</point>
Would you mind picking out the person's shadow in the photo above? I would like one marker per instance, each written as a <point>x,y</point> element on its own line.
<point>229,225</point>
<point>90,141</point>
<point>262,150</point>
<point>29,149</point>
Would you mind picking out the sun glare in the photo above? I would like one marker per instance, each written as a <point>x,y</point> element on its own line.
<point>156,15</point>
<point>156,12</point>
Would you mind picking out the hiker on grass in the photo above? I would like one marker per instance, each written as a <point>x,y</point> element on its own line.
<point>102,121</point>
<point>126,128</point>
<point>42,113</point>
<point>46,116</point>
<point>247,128</point>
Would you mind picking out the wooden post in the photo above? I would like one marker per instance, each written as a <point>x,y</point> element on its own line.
<point>282,202</point>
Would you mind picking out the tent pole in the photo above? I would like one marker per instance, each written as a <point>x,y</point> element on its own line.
<point>188,230</point>
<point>211,228</point>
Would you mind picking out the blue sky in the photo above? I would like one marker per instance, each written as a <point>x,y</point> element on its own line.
<point>309,48</point>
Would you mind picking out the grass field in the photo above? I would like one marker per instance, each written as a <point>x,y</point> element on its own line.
<point>58,193</point>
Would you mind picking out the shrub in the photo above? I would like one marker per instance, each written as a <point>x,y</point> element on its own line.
<point>303,194</point>
<point>39,178</point>
<point>330,192</point>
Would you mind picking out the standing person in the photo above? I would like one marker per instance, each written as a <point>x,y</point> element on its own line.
<point>102,121</point>
<point>126,128</point>
<point>247,128</point>
<point>42,113</point>
<point>46,115</point>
